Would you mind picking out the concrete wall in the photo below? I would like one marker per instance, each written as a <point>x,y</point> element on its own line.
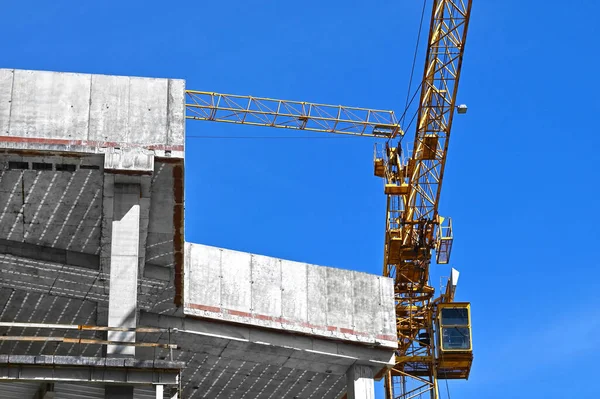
<point>275,293</point>
<point>43,110</point>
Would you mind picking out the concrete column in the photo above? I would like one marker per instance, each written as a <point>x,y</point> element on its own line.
<point>118,392</point>
<point>360,384</point>
<point>159,391</point>
<point>46,391</point>
<point>124,250</point>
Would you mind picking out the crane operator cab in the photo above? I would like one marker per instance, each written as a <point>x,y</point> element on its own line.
<point>455,346</point>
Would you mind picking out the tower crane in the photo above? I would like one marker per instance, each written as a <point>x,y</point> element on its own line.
<point>434,333</point>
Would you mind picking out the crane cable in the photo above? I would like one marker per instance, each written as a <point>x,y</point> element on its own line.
<point>412,72</point>
<point>338,137</point>
<point>407,105</point>
<point>447,389</point>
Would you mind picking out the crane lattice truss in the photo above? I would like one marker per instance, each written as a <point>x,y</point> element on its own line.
<point>295,115</point>
<point>412,185</point>
<point>413,227</point>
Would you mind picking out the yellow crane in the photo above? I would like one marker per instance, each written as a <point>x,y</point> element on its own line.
<point>434,333</point>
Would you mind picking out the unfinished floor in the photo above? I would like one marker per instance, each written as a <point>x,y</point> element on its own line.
<point>91,233</point>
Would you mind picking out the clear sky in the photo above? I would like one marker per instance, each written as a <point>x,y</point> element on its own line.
<point>521,181</point>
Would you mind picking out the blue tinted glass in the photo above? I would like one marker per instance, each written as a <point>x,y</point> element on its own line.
<point>455,317</point>
<point>456,338</point>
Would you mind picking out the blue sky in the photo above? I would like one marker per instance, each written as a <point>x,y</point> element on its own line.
<point>520,183</point>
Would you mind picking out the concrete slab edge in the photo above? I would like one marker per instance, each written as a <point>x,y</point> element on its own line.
<point>222,314</point>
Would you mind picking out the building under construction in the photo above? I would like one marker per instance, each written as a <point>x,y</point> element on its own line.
<point>102,297</point>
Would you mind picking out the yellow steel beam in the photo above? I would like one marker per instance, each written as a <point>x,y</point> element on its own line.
<point>296,115</point>
<point>412,216</point>
<point>421,359</point>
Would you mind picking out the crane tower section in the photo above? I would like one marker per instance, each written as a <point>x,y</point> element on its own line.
<point>414,228</point>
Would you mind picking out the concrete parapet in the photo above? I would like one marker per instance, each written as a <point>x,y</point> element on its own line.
<point>296,297</point>
<point>42,110</point>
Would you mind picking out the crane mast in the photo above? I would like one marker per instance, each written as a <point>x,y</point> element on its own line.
<point>434,334</point>
<point>414,228</point>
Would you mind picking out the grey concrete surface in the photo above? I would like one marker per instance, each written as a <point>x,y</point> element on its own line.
<point>118,392</point>
<point>134,160</point>
<point>360,382</point>
<point>248,325</point>
<point>122,305</point>
<point>70,390</point>
<point>291,296</point>
<point>83,112</point>
<point>243,341</point>
<point>92,370</point>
